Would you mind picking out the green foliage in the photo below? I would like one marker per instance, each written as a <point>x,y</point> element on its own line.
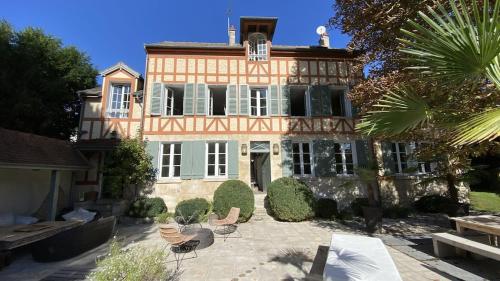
<point>358,204</point>
<point>136,263</point>
<point>326,208</point>
<point>291,200</point>
<point>39,79</point>
<point>164,217</point>
<point>194,210</point>
<point>147,207</point>
<point>485,201</point>
<point>128,164</point>
<point>234,193</point>
<point>396,212</point>
<point>436,204</point>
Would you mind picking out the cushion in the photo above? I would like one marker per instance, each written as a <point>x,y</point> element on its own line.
<point>7,219</point>
<point>25,220</point>
<point>79,214</point>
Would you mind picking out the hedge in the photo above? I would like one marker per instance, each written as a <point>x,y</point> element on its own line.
<point>326,208</point>
<point>147,207</point>
<point>234,193</point>
<point>291,200</point>
<point>194,209</point>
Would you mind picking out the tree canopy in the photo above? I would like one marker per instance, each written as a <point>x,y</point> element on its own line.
<point>39,78</point>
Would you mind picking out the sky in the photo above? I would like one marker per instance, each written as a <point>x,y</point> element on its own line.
<point>110,31</point>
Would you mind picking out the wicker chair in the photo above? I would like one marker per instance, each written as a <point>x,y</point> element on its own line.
<point>228,222</point>
<point>180,244</point>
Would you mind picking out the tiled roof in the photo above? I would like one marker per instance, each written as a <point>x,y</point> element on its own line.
<point>193,45</point>
<point>92,92</point>
<point>24,150</point>
<point>121,65</point>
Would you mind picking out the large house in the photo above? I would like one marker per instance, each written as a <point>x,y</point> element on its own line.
<point>248,110</point>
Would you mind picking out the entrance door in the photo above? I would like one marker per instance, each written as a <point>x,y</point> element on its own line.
<point>260,165</point>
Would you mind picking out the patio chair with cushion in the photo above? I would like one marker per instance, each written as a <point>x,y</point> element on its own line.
<point>228,223</point>
<point>180,244</point>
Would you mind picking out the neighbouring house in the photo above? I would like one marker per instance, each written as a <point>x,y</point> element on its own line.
<point>249,110</point>
<point>36,174</point>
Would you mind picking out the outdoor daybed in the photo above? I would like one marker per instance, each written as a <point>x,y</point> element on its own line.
<point>354,257</point>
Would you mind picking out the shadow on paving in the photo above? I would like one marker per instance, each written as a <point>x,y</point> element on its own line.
<point>299,259</point>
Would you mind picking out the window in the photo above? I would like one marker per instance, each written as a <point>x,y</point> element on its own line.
<point>298,101</point>
<point>399,156</point>
<point>174,100</point>
<point>216,159</point>
<point>257,47</point>
<point>423,166</point>
<point>302,159</point>
<point>338,103</point>
<point>344,164</point>
<point>217,101</point>
<point>258,102</point>
<point>120,101</point>
<point>171,160</point>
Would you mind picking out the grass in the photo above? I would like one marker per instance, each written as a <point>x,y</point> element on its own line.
<point>485,201</point>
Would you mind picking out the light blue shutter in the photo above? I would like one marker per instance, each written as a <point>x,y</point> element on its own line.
<point>347,105</point>
<point>286,158</point>
<point>233,160</point>
<point>364,154</point>
<point>315,97</point>
<point>285,100</point>
<point>326,101</point>
<point>244,100</point>
<point>411,159</point>
<point>324,158</point>
<point>186,160</point>
<point>189,99</point>
<point>232,100</point>
<point>389,164</point>
<point>274,101</point>
<point>201,99</point>
<point>199,154</point>
<point>153,148</point>
<point>156,99</point>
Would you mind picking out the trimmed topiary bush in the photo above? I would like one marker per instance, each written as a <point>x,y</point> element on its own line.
<point>357,206</point>
<point>326,208</point>
<point>147,207</point>
<point>197,209</point>
<point>436,204</point>
<point>291,200</point>
<point>396,212</point>
<point>234,193</point>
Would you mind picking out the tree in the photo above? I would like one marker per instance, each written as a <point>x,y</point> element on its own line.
<point>38,82</point>
<point>128,164</point>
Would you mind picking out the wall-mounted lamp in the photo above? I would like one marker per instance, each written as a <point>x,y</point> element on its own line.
<point>276,149</point>
<point>244,149</point>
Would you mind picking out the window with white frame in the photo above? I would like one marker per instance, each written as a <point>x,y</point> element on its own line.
<point>257,47</point>
<point>217,159</point>
<point>217,100</point>
<point>174,100</point>
<point>171,160</point>
<point>258,102</point>
<point>399,156</point>
<point>302,158</point>
<point>344,162</point>
<point>120,101</point>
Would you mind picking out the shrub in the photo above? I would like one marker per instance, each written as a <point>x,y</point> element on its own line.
<point>196,209</point>
<point>164,217</point>
<point>290,200</point>
<point>436,204</point>
<point>136,263</point>
<point>357,206</point>
<point>326,208</point>
<point>234,193</point>
<point>396,212</point>
<point>147,207</point>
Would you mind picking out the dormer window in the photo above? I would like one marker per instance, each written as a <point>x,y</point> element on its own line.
<point>257,47</point>
<point>120,100</point>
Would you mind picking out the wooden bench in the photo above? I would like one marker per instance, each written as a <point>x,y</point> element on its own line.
<point>446,244</point>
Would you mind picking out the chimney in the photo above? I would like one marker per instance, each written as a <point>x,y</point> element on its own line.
<point>232,35</point>
<point>324,40</point>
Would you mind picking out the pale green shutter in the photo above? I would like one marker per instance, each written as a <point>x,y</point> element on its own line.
<point>324,158</point>
<point>244,100</point>
<point>347,105</point>
<point>201,99</point>
<point>389,164</point>
<point>411,159</point>
<point>189,99</point>
<point>286,158</point>
<point>315,97</point>
<point>233,159</point>
<point>152,149</point>
<point>285,100</point>
<point>274,101</point>
<point>326,101</point>
<point>364,154</point>
<point>156,99</point>
<point>186,160</point>
<point>199,154</point>
<point>232,100</point>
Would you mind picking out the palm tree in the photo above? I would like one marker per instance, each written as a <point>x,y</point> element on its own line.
<point>457,52</point>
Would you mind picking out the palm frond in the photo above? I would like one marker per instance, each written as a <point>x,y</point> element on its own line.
<point>456,46</point>
<point>398,111</point>
<point>484,126</point>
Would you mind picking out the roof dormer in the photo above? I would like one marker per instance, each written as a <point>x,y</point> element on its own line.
<point>263,25</point>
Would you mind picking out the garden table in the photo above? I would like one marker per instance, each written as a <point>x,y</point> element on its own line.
<point>484,223</point>
<point>204,235</point>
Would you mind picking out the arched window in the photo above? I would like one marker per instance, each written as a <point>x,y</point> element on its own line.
<point>257,47</point>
